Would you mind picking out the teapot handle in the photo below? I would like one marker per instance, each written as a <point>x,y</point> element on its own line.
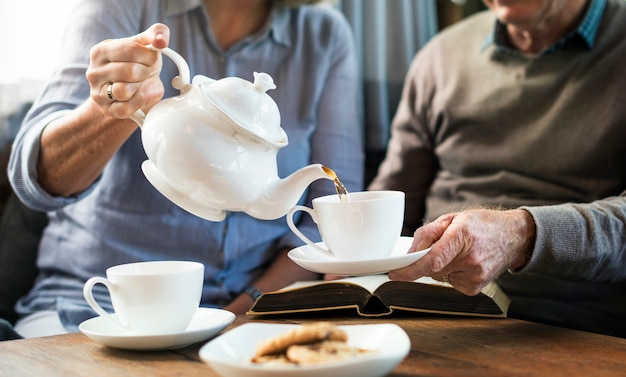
<point>180,82</point>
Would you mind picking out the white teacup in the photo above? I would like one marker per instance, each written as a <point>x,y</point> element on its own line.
<point>366,226</point>
<point>159,297</point>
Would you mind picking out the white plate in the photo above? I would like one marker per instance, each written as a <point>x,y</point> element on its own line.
<point>229,354</point>
<point>313,260</point>
<point>205,323</point>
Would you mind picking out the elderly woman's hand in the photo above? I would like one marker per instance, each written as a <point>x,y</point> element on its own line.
<point>124,73</point>
<point>471,248</point>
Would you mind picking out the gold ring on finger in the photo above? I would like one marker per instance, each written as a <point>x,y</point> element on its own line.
<point>110,92</point>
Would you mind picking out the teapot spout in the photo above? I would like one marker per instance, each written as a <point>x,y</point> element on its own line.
<point>282,194</point>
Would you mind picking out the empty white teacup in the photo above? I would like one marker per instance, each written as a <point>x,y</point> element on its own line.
<point>366,226</point>
<point>159,297</point>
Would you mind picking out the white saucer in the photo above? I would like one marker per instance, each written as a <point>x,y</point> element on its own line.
<point>313,260</point>
<point>229,354</point>
<point>205,323</point>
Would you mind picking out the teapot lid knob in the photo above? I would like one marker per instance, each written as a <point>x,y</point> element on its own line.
<point>263,82</point>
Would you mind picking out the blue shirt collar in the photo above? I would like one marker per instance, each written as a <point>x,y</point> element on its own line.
<point>176,7</point>
<point>275,28</point>
<point>587,31</point>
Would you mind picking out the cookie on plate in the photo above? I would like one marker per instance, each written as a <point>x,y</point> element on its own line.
<point>305,334</point>
<point>269,360</point>
<point>308,344</point>
<point>321,352</point>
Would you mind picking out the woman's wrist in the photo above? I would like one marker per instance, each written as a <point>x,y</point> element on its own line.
<point>252,292</point>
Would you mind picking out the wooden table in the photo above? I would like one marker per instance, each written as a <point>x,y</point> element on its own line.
<point>440,346</point>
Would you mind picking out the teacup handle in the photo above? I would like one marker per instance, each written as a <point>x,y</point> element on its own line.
<point>301,235</point>
<point>87,292</point>
<point>180,82</point>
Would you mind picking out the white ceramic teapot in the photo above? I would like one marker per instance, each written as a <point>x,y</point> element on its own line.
<point>212,149</point>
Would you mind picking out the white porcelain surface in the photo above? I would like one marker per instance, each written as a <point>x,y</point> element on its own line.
<point>229,354</point>
<point>213,148</point>
<point>248,104</point>
<point>150,297</point>
<point>366,226</point>
<point>206,323</point>
<point>178,196</point>
<point>315,261</point>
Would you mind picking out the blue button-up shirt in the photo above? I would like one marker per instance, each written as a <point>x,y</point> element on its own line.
<point>121,218</point>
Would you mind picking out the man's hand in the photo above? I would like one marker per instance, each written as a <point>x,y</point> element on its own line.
<point>472,248</point>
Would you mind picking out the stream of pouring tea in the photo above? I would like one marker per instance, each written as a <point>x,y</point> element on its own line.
<point>341,189</point>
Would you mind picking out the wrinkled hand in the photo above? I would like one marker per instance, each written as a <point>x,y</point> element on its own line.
<point>131,68</point>
<point>472,247</point>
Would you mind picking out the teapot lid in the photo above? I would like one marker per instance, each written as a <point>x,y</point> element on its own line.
<point>248,104</point>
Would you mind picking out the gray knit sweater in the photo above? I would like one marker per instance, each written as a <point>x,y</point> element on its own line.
<point>479,126</point>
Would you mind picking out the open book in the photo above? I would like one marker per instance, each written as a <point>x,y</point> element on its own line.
<point>376,295</point>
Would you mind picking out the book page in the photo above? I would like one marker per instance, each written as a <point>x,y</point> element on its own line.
<point>428,295</point>
<point>369,282</point>
<point>430,281</point>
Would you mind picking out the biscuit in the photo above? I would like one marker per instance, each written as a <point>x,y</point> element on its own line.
<point>321,352</point>
<point>316,332</point>
<point>275,359</point>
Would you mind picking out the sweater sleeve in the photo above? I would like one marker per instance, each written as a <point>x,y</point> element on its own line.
<point>581,241</point>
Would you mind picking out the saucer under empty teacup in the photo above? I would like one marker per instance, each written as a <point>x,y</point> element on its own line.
<point>207,322</point>
<point>157,297</point>
<point>364,227</point>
